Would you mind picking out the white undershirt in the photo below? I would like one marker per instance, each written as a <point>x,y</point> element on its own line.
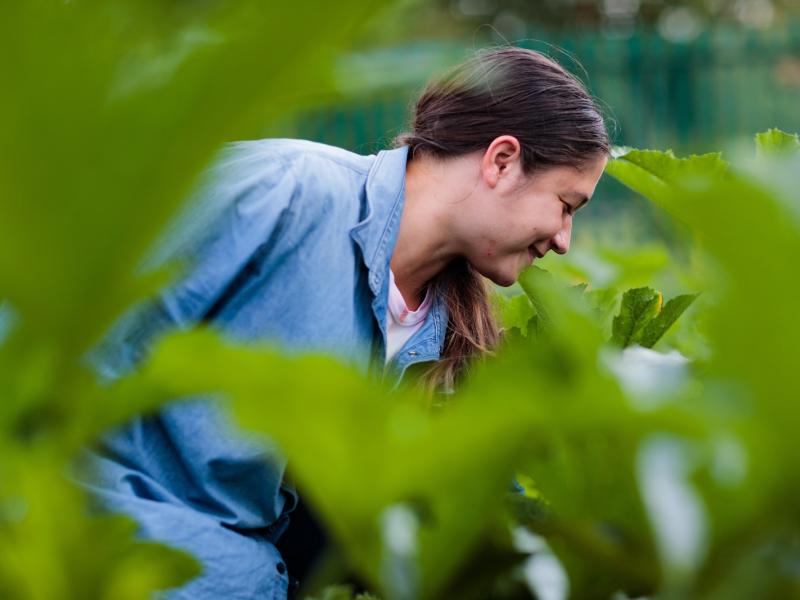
<point>402,323</point>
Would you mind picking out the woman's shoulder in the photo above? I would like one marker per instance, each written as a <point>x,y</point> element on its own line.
<point>295,153</point>
<point>254,184</point>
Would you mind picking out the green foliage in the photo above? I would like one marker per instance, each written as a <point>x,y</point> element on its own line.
<point>411,485</point>
<point>639,307</point>
<point>595,518</point>
<point>567,13</point>
<point>50,548</point>
<point>738,453</point>
<point>117,105</point>
<point>515,312</point>
<point>643,318</point>
<point>110,109</point>
<point>656,175</point>
<point>749,230</point>
<point>658,326</point>
<point>340,592</point>
<point>776,141</point>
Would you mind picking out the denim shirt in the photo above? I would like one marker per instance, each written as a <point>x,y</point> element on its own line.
<point>290,242</point>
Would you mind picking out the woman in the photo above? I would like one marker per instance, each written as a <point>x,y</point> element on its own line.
<point>379,260</point>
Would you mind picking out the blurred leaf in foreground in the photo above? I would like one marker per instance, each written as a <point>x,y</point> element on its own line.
<point>515,312</point>
<point>748,228</point>
<point>427,485</point>
<point>775,141</point>
<point>655,174</point>
<point>590,513</point>
<point>110,109</point>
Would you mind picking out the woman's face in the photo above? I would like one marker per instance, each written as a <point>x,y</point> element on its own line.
<point>512,219</point>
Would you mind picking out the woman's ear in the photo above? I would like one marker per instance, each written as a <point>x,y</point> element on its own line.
<point>503,158</point>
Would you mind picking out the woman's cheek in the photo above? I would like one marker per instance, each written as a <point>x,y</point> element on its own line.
<point>554,224</point>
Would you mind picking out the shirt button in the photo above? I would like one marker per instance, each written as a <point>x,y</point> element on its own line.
<point>281,568</point>
<point>412,352</point>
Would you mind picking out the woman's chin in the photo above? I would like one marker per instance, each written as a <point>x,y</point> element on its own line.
<point>503,279</point>
<point>502,275</point>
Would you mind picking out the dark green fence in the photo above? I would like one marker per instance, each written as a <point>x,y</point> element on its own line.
<point>700,95</point>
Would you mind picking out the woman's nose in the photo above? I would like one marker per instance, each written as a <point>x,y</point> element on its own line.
<point>561,240</point>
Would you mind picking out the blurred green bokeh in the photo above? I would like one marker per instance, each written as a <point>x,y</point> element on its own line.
<point>109,110</point>
<point>676,486</point>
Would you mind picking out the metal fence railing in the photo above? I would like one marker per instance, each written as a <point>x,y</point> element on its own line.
<point>696,95</point>
<point>722,87</point>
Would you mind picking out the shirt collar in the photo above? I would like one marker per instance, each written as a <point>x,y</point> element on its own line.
<point>376,233</point>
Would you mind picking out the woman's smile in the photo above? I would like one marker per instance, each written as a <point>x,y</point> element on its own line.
<point>533,253</point>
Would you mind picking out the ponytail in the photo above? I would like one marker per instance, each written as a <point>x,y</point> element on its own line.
<point>471,327</point>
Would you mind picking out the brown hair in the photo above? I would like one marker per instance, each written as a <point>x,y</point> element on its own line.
<point>500,91</point>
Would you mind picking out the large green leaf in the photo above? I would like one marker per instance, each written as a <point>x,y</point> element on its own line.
<point>749,229</point>
<point>51,547</point>
<point>595,518</point>
<point>655,174</point>
<point>407,493</point>
<point>116,106</point>
<point>110,109</point>
<point>639,307</point>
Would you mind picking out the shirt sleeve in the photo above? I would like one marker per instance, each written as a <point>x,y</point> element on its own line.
<point>240,208</point>
<point>182,474</point>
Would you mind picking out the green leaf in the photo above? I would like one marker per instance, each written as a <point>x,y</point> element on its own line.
<point>148,92</point>
<point>579,288</point>
<point>655,174</point>
<point>530,280</point>
<point>48,529</point>
<point>753,332</point>
<point>657,327</point>
<point>604,301</point>
<point>515,312</point>
<point>109,110</point>
<point>587,424</point>
<point>438,475</point>
<point>639,307</point>
<point>775,141</point>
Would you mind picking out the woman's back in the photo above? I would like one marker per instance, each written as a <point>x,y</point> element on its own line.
<point>296,251</point>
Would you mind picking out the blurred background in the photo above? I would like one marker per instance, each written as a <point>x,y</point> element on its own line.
<point>687,74</point>
<point>113,107</point>
<point>690,75</point>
